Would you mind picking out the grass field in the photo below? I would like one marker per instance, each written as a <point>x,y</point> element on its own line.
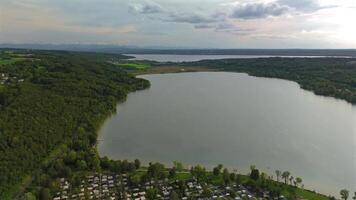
<point>21,55</point>
<point>310,195</point>
<point>9,57</point>
<point>134,66</point>
<point>10,61</point>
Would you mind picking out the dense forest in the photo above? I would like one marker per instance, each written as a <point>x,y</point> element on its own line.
<point>51,105</point>
<point>335,77</point>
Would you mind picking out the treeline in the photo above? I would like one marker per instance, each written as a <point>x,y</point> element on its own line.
<point>63,99</point>
<point>74,165</point>
<point>335,77</point>
<point>220,177</point>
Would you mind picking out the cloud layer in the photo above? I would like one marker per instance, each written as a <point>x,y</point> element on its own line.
<point>148,7</point>
<point>259,10</point>
<point>192,23</point>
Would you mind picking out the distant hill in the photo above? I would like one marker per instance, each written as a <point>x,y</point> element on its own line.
<point>157,50</point>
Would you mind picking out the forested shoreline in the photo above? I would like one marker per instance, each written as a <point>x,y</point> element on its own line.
<point>54,98</point>
<point>334,77</point>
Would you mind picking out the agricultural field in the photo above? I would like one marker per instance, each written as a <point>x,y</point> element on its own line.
<point>9,57</point>
<point>137,66</point>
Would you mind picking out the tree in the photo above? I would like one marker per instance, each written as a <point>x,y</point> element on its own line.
<point>172,172</point>
<point>291,180</point>
<point>299,181</point>
<point>255,174</point>
<point>116,166</point>
<point>207,193</point>
<point>174,196</point>
<point>134,180</point>
<point>95,163</point>
<point>199,172</point>
<point>275,191</point>
<point>344,194</point>
<point>286,175</point>
<point>81,164</point>
<point>71,157</point>
<point>181,186</point>
<point>354,197</point>
<point>232,176</point>
<point>217,169</point>
<point>131,166</point>
<point>29,196</point>
<point>152,193</point>
<point>226,176</point>
<point>105,162</point>
<point>252,167</point>
<point>45,194</point>
<point>238,180</point>
<point>232,194</point>
<point>178,165</point>
<point>137,163</point>
<point>75,180</point>
<point>156,170</point>
<point>278,174</point>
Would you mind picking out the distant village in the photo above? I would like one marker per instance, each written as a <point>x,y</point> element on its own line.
<point>114,186</point>
<point>5,78</point>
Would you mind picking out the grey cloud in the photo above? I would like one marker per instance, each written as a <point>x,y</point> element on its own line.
<point>191,18</point>
<point>203,26</point>
<point>273,37</point>
<point>259,10</point>
<point>107,13</point>
<point>225,27</point>
<point>218,22</point>
<point>232,28</point>
<point>148,7</point>
<point>276,8</point>
<point>217,27</point>
<point>304,5</point>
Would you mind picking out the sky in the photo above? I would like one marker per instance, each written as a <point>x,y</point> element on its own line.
<point>182,23</point>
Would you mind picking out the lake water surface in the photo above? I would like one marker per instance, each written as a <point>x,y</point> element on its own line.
<point>237,120</point>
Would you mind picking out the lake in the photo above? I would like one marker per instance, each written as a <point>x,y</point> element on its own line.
<point>192,58</point>
<point>237,120</point>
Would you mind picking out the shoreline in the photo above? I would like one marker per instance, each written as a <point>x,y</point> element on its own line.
<point>189,69</point>
<point>177,69</point>
<point>185,69</point>
<point>172,69</point>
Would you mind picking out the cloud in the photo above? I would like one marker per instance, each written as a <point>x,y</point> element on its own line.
<point>170,22</point>
<point>273,36</point>
<point>203,26</point>
<point>191,18</point>
<point>234,29</point>
<point>258,10</point>
<point>304,5</point>
<point>276,8</point>
<point>147,7</point>
<point>226,27</point>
